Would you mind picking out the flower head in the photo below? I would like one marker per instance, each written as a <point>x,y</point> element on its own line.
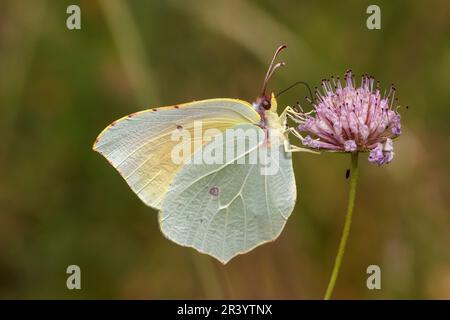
<point>351,119</point>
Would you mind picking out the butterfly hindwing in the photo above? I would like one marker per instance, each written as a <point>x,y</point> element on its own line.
<point>229,208</point>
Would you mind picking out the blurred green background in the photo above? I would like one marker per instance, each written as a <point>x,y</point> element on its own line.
<point>62,204</point>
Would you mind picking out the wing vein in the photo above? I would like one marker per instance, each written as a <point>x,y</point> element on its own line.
<point>267,205</point>
<point>148,182</point>
<point>245,221</point>
<point>225,233</point>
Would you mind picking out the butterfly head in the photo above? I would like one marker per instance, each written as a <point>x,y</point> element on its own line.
<point>265,102</point>
<point>262,103</point>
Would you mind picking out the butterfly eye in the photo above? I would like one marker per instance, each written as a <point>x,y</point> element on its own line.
<point>266,104</point>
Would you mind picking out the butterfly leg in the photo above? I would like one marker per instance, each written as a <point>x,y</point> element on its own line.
<point>294,115</point>
<point>288,147</point>
<point>288,111</point>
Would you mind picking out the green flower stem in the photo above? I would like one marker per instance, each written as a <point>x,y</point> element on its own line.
<point>346,231</point>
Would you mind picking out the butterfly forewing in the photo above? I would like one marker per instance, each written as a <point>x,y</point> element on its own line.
<point>140,145</point>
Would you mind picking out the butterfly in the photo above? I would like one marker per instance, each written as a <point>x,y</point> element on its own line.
<point>221,208</point>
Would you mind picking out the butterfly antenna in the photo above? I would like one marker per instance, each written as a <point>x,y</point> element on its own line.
<point>272,68</point>
<point>296,84</point>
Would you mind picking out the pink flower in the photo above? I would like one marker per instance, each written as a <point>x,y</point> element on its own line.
<point>351,119</point>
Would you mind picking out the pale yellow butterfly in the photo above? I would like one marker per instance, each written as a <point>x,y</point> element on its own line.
<point>219,209</point>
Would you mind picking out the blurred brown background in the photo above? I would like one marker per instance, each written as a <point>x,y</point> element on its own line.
<point>62,204</point>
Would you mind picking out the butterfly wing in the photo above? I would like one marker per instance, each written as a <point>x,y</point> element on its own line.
<point>228,209</point>
<point>139,145</point>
